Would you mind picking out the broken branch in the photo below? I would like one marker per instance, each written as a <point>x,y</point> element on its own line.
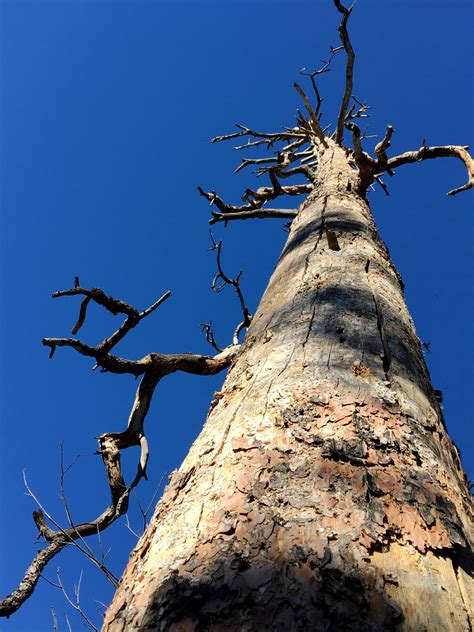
<point>356,141</point>
<point>381,149</point>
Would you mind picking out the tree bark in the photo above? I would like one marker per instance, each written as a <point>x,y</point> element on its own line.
<point>323,492</point>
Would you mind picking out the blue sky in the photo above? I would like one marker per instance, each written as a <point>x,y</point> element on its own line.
<point>106,108</point>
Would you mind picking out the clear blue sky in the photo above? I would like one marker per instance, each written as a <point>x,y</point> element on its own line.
<point>106,110</point>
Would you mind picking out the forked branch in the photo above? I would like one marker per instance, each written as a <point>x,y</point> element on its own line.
<point>374,168</point>
<point>256,200</point>
<point>114,306</point>
<point>301,145</point>
<point>324,68</point>
<point>153,368</point>
<point>220,281</point>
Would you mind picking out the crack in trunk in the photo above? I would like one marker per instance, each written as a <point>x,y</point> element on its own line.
<point>386,357</point>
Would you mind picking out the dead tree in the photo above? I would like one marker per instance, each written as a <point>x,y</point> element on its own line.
<point>323,492</point>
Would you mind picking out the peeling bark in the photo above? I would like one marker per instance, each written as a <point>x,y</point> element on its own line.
<point>323,492</point>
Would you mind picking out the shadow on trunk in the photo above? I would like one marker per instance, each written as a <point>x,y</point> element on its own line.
<point>304,593</point>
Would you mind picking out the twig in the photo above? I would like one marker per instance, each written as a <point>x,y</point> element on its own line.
<point>315,73</point>
<point>382,184</point>
<point>146,511</point>
<point>360,113</point>
<point>246,131</point>
<point>235,283</point>
<point>77,604</point>
<point>209,334</point>
<point>55,620</point>
<point>66,536</point>
<point>127,524</point>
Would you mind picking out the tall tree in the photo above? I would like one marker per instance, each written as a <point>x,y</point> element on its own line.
<point>323,490</point>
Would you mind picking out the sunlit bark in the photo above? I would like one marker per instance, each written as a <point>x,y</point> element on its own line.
<point>323,492</point>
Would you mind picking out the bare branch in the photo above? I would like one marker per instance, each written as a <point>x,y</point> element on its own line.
<point>77,603</point>
<point>295,144</point>
<point>164,364</point>
<point>82,315</point>
<point>246,131</point>
<point>106,361</point>
<point>446,151</point>
<point>355,130</point>
<point>316,127</point>
<point>129,527</point>
<point>145,511</point>
<point>344,35</point>
<point>113,305</point>
<point>255,143</point>
<point>283,160</point>
<point>381,148</point>
<point>257,199</point>
<point>260,214</point>
<point>382,184</point>
<point>315,73</point>
<point>153,367</point>
<point>254,161</point>
<point>79,346</point>
<point>207,330</point>
<point>360,113</point>
<point>146,312</point>
<point>303,170</point>
<point>49,534</point>
<point>226,208</point>
<point>366,163</point>
<point>235,283</point>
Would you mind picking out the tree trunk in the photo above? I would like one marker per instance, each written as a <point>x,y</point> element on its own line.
<point>323,492</point>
